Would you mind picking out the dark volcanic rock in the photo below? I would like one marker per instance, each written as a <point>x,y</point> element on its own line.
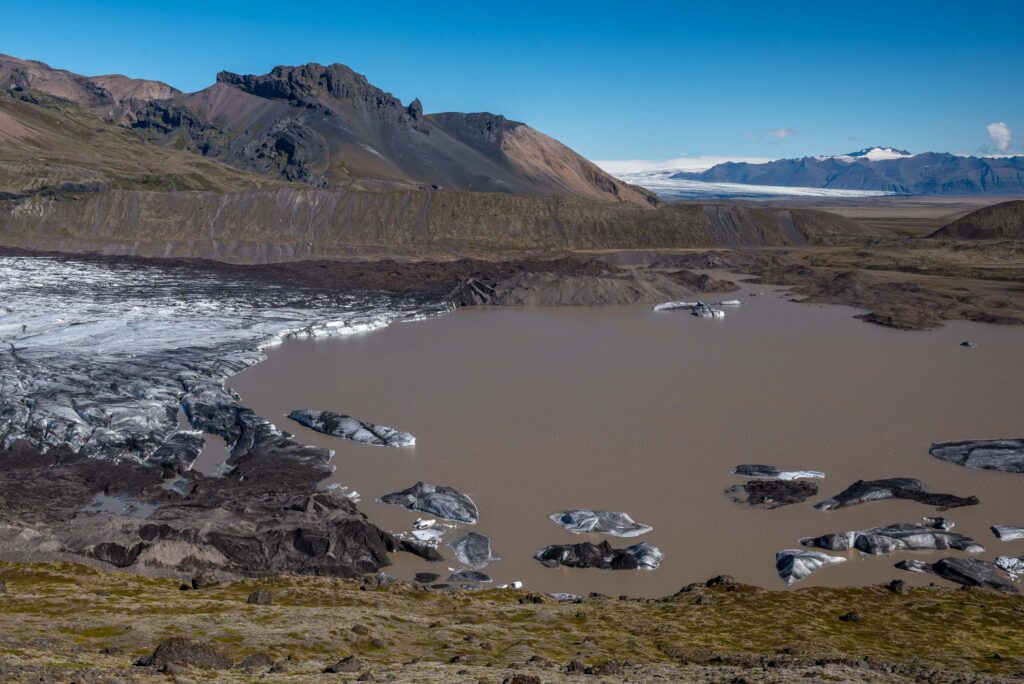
<point>260,597</point>
<point>439,500</point>
<point>468,576</point>
<point>863,491</point>
<point>970,572</point>
<point>603,556</point>
<point>1006,455</point>
<point>256,660</point>
<point>180,651</point>
<point>892,538</point>
<point>772,493</point>
<point>426,577</point>
<point>347,664</point>
<point>350,428</point>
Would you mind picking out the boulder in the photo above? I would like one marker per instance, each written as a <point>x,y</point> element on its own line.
<point>603,556</point>
<point>347,664</point>
<point>908,488</point>
<point>439,500</point>
<point>256,660</point>
<point>347,427</point>
<point>180,651</point>
<point>584,521</point>
<point>794,565</point>
<point>1005,455</point>
<point>464,575</point>
<point>772,493</point>
<point>260,597</point>
<point>204,580</point>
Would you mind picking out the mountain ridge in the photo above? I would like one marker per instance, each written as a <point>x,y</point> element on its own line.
<point>328,126</point>
<point>927,173</point>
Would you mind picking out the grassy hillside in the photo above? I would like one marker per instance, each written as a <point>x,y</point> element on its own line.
<point>49,144</point>
<point>64,619</point>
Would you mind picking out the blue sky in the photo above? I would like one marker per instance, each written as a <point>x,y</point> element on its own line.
<point>614,80</point>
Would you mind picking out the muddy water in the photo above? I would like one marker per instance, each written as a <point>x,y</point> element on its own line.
<point>531,411</point>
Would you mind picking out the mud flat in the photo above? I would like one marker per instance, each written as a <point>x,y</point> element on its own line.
<point>531,411</point>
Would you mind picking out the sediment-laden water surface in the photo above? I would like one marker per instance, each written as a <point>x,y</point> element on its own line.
<point>532,411</point>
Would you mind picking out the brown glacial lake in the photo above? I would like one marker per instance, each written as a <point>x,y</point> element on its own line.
<point>535,410</point>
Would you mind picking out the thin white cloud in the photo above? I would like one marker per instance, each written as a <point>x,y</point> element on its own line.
<point>1000,134</point>
<point>626,166</point>
<point>782,133</point>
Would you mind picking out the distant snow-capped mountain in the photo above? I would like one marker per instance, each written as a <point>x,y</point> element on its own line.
<point>875,154</point>
<point>879,169</point>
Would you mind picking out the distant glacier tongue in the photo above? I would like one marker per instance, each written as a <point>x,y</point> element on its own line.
<point>98,355</point>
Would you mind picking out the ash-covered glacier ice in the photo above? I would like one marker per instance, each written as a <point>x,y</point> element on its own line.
<point>98,356</point>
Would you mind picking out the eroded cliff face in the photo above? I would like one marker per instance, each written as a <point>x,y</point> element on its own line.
<point>259,226</point>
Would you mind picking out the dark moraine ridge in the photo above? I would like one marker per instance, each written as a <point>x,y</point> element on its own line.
<point>998,221</point>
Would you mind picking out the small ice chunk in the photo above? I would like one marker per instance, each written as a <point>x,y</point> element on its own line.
<point>474,550</point>
<point>794,565</point>
<point>669,306</point>
<point>702,310</point>
<point>428,534</point>
<point>1008,532</point>
<point>1011,565</point>
<point>768,472</point>
<point>565,597</point>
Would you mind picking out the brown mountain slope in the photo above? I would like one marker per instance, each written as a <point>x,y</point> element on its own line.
<point>51,145</point>
<point>327,125</point>
<point>998,221</point>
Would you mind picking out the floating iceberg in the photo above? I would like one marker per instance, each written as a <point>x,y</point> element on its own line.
<point>768,472</point>
<point>583,521</point>
<point>603,556</point>
<point>794,565</point>
<point>897,537</point>
<point>702,310</point>
<point>444,502</point>
<point>347,427</point>
<point>1011,565</point>
<point>669,306</point>
<point>474,550</point>
<point>1008,532</point>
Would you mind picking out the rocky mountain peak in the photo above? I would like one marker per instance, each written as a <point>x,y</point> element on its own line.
<point>310,81</point>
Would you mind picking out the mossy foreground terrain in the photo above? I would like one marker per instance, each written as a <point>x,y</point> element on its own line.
<point>65,622</point>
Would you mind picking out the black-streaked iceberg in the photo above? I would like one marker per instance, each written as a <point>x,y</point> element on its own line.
<point>347,427</point>
<point>583,521</point>
<point>439,500</point>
